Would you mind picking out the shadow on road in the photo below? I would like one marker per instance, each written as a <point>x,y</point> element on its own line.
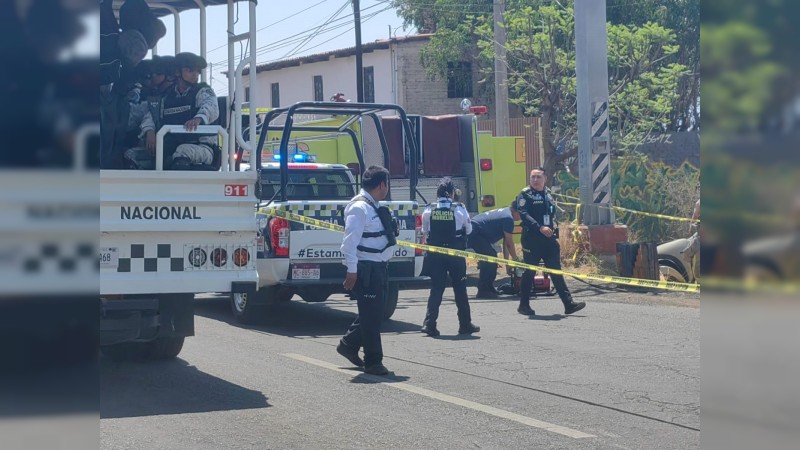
<point>298,318</point>
<point>551,317</point>
<point>365,378</point>
<point>135,389</point>
<point>457,337</point>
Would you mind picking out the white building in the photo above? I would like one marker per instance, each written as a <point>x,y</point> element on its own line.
<point>392,74</point>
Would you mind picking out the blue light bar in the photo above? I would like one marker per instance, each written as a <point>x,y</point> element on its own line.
<point>299,157</point>
<point>276,156</point>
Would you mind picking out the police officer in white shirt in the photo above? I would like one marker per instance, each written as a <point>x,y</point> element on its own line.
<point>369,235</point>
<point>446,224</point>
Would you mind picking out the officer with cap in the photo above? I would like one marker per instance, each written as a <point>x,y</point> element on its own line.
<point>446,224</point>
<point>537,208</point>
<point>190,103</point>
<point>369,235</point>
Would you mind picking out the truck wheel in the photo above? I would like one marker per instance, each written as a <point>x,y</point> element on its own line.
<point>391,300</point>
<point>270,295</point>
<point>244,309</point>
<point>165,347</point>
<point>126,351</point>
<point>313,295</point>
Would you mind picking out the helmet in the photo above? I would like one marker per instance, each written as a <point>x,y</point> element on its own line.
<point>163,64</point>
<point>190,60</point>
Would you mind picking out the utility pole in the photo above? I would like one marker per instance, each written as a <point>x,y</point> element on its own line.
<point>594,145</point>
<point>500,70</point>
<point>359,60</point>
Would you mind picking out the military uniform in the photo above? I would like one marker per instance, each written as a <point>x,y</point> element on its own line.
<point>537,209</point>
<point>447,224</point>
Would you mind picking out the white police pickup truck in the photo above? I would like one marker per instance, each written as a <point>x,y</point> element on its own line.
<point>294,258</point>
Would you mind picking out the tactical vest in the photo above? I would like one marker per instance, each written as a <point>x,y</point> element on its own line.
<point>537,205</point>
<point>443,231</point>
<point>390,228</point>
<point>177,110</point>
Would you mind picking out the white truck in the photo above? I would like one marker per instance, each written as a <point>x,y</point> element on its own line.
<point>168,235</point>
<point>296,258</point>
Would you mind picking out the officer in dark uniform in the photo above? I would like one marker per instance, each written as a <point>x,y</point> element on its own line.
<point>369,237</point>
<point>539,241</point>
<point>446,224</point>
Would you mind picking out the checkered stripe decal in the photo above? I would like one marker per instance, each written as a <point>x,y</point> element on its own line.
<point>333,210</point>
<point>153,258</point>
<point>60,258</point>
<point>319,210</point>
<point>184,257</point>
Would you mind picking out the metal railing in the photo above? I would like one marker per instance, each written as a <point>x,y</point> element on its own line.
<point>201,129</point>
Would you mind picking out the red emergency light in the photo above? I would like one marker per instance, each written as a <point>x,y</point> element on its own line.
<point>486,164</point>
<point>478,109</point>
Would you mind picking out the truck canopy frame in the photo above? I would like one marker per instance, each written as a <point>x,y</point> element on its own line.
<point>354,113</point>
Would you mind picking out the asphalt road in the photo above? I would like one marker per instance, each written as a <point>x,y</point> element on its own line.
<point>622,373</point>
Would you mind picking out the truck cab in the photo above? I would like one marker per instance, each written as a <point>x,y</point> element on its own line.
<point>296,258</point>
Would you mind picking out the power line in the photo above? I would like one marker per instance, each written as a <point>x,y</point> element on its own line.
<point>301,35</point>
<point>317,30</point>
<point>273,23</point>
<point>364,19</point>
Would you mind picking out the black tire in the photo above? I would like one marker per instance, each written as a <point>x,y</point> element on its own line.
<point>315,295</point>
<point>391,300</point>
<point>270,295</point>
<point>166,347</point>
<point>244,309</point>
<point>126,351</point>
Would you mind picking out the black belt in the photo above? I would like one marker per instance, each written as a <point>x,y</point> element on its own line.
<point>373,263</point>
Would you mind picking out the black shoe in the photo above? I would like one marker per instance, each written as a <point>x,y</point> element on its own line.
<point>377,369</point>
<point>487,294</point>
<point>430,330</point>
<point>574,307</point>
<point>526,310</point>
<point>350,354</point>
<point>468,328</point>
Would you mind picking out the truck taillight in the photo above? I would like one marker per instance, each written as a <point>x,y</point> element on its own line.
<point>486,164</point>
<point>418,229</point>
<point>279,236</point>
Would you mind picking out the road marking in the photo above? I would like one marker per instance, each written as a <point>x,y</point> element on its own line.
<point>492,411</point>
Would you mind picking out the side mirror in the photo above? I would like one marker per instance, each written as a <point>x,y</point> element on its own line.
<point>355,169</point>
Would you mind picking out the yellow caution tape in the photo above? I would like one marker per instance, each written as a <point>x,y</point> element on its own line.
<point>576,233</point>
<point>749,285</point>
<point>633,211</point>
<point>655,284</point>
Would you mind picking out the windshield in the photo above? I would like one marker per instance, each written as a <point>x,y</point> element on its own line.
<point>309,184</point>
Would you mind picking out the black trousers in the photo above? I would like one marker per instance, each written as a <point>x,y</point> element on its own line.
<point>537,249</point>
<point>488,271</point>
<point>440,266</point>
<point>370,294</point>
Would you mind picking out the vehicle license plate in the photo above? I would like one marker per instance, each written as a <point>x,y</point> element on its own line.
<point>109,257</point>
<point>305,272</point>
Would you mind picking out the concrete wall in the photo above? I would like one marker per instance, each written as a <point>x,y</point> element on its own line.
<point>415,91</point>
<point>338,75</point>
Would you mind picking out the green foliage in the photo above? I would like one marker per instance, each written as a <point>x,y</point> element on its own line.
<point>642,185</point>
<point>540,47</point>
<point>740,77</point>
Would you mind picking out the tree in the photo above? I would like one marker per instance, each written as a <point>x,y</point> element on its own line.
<point>540,47</point>
<point>683,18</point>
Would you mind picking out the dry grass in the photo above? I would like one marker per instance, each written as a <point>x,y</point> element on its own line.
<point>575,257</point>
